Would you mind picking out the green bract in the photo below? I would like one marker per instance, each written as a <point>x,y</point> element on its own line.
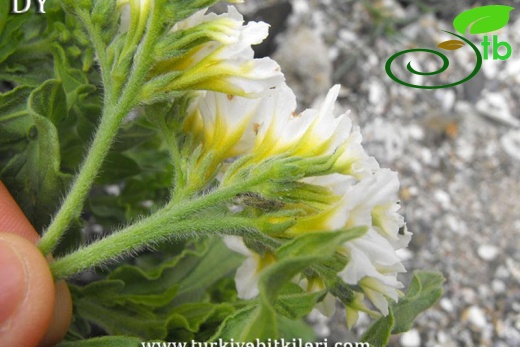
<point>151,124</point>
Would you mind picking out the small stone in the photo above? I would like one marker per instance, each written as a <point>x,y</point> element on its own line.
<point>443,198</point>
<point>411,338</point>
<point>488,252</point>
<point>476,317</point>
<point>446,305</point>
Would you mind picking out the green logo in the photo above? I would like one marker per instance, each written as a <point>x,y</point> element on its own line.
<point>479,20</point>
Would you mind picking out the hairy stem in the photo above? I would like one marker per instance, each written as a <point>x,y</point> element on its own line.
<point>72,205</point>
<point>174,220</point>
<point>113,114</point>
<point>161,225</point>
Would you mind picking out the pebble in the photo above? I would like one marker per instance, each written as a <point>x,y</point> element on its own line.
<point>446,305</point>
<point>476,317</point>
<point>411,338</point>
<point>443,198</point>
<point>488,252</point>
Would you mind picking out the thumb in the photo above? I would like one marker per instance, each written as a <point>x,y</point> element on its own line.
<point>27,292</point>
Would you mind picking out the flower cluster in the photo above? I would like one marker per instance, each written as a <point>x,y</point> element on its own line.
<point>205,51</point>
<point>356,192</point>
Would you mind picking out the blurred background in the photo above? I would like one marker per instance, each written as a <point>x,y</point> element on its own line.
<point>457,150</point>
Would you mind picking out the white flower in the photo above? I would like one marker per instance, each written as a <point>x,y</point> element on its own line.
<point>361,194</point>
<point>248,274</point>
<point>225,64</point>
<point>372,202</point>
<point>221,122</point>
<point>310,133</point>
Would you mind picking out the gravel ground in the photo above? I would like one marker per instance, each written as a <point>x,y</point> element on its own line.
<point>457,150</point>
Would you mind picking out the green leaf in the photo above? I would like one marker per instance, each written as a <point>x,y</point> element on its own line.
<point>102,304</point>
<point>423,292</point>
<point>379,333</point>
<point>294,302</point>
<point>295,329</point>
<point>191,271</point>
<point>300,253</point>
<point>161,297</point>
<point>250,323</point>
<point>32,173</point>
<point>482,19</point>
<point>51,101</point>
<point>105,341</point>
<point>191,316</point>
<point>258,321</point>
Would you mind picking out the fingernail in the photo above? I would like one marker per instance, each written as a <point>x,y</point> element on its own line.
<point>12,282</point>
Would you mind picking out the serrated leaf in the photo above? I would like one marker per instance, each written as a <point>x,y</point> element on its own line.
<point>105,341</point>
<point>484,19</point>
<point>451,45</point>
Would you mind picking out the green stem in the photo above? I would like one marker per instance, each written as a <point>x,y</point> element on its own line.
<point>160,226</point>
<point>175,156</point>
<point>113,114</point>
<point>171,221</point>
<point>101,50</point>
<point>71,206</point>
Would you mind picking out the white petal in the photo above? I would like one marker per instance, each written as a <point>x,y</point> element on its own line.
<point>246,279</point>
<point>236,244</point>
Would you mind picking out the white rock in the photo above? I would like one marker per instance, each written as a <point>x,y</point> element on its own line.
<point>446,305</point>
<point>488,252</point>
<point>416,132</point>
<point>443,198</point>
<point>476,317</point>
<point>411,339</point>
